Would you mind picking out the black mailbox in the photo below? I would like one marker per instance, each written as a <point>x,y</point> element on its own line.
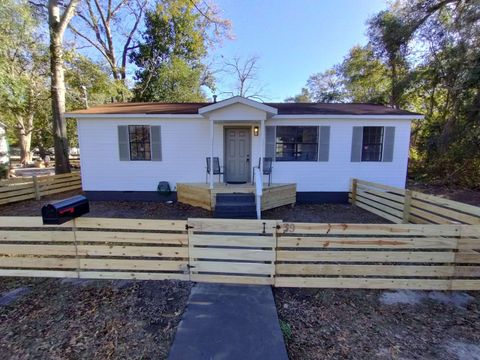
<point>65,210</point>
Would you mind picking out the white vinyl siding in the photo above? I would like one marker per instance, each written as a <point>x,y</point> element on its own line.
<point>186,144</point>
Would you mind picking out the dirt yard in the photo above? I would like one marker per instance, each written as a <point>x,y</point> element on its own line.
<point>370,324</point>
<point>337,213</point>
<point>74,319</point>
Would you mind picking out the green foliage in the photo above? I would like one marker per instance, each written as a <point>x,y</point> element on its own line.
<point>170,57</point>
<point>424,56</point>
<point>86,77</point>
<point>365,77</point>
<point>326,87</point>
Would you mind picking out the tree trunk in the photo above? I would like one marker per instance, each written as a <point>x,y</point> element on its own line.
<point>62,163</point>
<point>57,25</point>
<point>25,139</point>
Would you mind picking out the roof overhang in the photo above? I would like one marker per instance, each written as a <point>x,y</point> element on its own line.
<point>130,116</point>
<point>353,117</point>
<point>271,111</point>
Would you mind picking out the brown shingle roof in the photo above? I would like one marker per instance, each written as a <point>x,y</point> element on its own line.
<point>283,109</point>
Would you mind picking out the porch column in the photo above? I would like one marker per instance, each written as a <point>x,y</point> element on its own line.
<point>262,146</point>
<point>211,154</point>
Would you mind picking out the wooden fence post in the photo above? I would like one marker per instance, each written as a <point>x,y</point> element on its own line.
<point>353,189</point>
<point>406,206</point>
<point>36,187</point>
<point>75,243</point>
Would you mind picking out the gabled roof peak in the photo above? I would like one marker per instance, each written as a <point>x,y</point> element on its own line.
<point>238,100</point>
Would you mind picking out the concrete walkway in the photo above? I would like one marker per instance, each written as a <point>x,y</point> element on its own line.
<point>229,322</point>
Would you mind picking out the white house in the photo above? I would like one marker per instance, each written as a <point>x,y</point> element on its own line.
<point>128,148</point>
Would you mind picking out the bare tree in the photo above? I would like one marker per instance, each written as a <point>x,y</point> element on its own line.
<point>245,74</point>
<point>108,24</point>
<point>57,22</point>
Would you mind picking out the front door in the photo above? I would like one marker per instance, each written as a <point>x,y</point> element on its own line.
<point>237,155</point>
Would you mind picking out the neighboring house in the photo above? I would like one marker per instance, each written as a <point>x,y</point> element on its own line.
<point>130,147</point>
<point>4,156</point>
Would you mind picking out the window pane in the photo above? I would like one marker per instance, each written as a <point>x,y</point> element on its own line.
<point>372,143</point>
<point>139,136</point>
<point>296,143</point>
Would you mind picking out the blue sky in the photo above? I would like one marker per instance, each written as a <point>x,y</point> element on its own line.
<point>294,38</point>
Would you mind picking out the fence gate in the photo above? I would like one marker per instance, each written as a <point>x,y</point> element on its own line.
<point>232,251</point>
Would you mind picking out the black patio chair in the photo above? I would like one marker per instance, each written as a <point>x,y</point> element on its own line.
<point>217,169</point>
<point>267,168</point>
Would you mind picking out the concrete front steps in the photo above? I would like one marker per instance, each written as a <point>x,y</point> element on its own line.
<point>235,206</point>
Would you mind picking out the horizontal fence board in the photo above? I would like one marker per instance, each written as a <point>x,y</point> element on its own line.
<point>365,270</point>
<point>39,273</point>
<point>130,224</point>
<point>27,222</point>
<point>454,205</point>
<point>368,242</point>
<point>57,191</point>
<point>36,236</point>
<point>432,218</point>
<point>38,262</point>
<point>392,189</point>
<point>382,194</point>
<point>231,240</point>
<point>472,244</point>
<point>15,192</point>
<point>54,185</point>
<point>465,284</point>
<point>131,237</point>
<point>468,257</point>
<point>17,198</point>
<point>232,254</point>
<point>134,265</point>
<point>362,283</point>
<point>59,250</point>
<point>454,215</point>
<point>466,271</point>
<point>229,279</point>
<point>232,267</point>
<point>233,225</point>
<point>132,251</point>
<point>371,229</point>
<point>131,275</point>
<point>373,210</point>
<point>366,256</point>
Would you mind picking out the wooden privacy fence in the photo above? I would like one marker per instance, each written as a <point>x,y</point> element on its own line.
<point>407,206</point>
<point>25,188</point>
<point>269,252</point>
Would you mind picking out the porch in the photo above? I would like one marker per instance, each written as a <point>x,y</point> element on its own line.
<point>202,195</point>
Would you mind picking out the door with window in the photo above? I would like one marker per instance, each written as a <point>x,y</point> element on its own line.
<point>237,145</point>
